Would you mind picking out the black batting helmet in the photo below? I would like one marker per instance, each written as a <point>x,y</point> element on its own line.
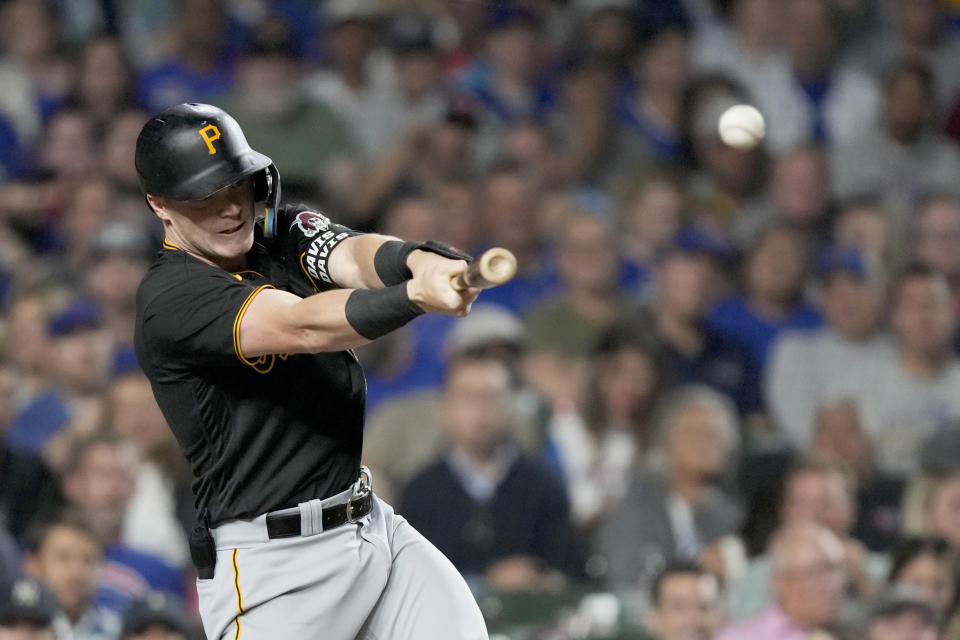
<point>191,151</point>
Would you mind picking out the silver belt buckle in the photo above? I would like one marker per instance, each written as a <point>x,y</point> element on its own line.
<point>361,490</point>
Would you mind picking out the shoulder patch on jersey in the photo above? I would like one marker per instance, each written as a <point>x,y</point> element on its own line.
<point>311,223</point>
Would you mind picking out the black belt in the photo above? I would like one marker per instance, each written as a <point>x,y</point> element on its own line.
<point>288,525</point>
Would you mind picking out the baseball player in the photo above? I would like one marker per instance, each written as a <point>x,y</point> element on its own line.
<point>245,331</point>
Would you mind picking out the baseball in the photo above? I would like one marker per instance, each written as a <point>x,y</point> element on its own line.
<point>742,127</point>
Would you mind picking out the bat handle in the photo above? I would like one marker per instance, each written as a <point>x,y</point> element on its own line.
<point>494,267</point>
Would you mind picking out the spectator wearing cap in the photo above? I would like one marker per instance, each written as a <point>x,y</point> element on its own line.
<point>403,434</point>
<point>161,507</point>
<point>685,603</point>
<point>81,355</point>
<point>27,487</point>
<point>562,329</point>
<point>67,554</point>
<point>300,135</point>
<point>808,583</point>
<point>500,516</point>
<point>677,509</point>
<point>902,614</point>
<point>596,445</point>
<point>119,257</point>
<point>772,299</point>
<point>357,74</point>
<point>905,156</point>
<point>99,480</point>
<point>689,280</point>
<point>29,611</point>
<point>807,369</point>
<point>155,616</point>
<point>205,42</point>
<point>910,394</point>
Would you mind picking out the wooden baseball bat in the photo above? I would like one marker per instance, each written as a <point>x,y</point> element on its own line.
<point>495,266</point>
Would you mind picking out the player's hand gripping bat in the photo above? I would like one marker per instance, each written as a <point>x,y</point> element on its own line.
<point>496,266</point>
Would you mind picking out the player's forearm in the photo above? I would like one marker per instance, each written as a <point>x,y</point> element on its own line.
<point>352,262</point>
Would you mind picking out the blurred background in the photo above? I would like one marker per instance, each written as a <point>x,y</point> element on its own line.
<point>720,399</point>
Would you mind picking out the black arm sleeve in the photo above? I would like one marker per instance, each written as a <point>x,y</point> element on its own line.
<point>305,241</point>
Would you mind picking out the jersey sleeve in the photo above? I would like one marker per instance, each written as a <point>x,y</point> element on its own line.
<point>307,238</point>
<point>195,321</point>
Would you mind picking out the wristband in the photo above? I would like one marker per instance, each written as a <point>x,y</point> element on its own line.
<point>376,312</point>
<point>390,261</point>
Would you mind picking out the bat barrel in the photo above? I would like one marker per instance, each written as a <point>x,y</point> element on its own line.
<point>494,267</point>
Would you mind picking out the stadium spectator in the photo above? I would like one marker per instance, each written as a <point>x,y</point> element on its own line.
<point>81,354</point>
<point>928,566</point>
<point>685,603</point>
<point>155,616</point>
<point>649,107</point>
<point>278,118</point>
<point>27,487</point>
<point>818,97</point>
<point>909,394</point>
<point>505,517</point>
<point>404,434</point>
<point>798,198</point>
<point>597,446</point>
<point>562,329</point>
<point>689,281</point>
<point>105,84</point>
<point>652,213</point>
<point>808,581</point>
<point>27,345</point>
<point>28,611</point>
<point>771,300</point>
<point>357,72</point>
<point>679,512</point>
<point>863,224</point>
<point>67,554</point>
<point>808,369</point>
<point>904,157</point>
<point>200,64</point>
<point>936,237</point>
<point>839,435</point>
<point>821,493</point>
<point>161,507</point>
<point>99,481</point>
<point>903,615</point>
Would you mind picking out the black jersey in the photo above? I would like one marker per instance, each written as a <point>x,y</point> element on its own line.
<point>259,434</point>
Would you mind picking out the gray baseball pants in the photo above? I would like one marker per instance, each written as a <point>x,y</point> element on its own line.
<point>375,579</point>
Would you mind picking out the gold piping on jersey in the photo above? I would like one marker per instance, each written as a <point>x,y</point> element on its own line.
<point>303,268</point>
<point>236,586</point>
<point>262,360</point>
<point>243,271</point>
<point>169,245</point>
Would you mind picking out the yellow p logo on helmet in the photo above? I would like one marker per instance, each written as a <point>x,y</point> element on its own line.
<point>210,133</point>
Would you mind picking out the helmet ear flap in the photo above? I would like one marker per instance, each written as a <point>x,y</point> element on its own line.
<point>261,186</point>
<point>266,189</point>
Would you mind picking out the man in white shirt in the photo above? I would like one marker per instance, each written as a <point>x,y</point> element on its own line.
<point>808,369</point>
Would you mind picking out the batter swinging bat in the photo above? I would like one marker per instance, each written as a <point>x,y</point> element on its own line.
<point>495,266</point>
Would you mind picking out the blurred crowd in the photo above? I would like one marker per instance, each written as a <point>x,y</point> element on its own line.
<point>722,394</point>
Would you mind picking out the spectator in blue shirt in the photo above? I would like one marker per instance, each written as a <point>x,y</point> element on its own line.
<point>689,278</point>
<point>772,295</point>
